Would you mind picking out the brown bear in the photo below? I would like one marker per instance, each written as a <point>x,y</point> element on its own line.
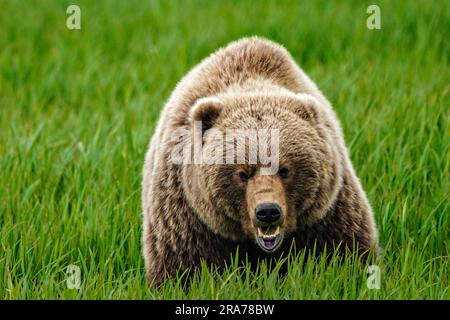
<point>261,197</point>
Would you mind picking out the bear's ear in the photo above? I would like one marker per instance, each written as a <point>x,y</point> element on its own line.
<point>306,106</point>
<point>206,110</point>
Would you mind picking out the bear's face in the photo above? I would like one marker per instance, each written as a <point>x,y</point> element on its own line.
<point>270,166</point>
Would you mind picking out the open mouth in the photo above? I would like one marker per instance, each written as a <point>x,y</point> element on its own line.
<point>269,238</point>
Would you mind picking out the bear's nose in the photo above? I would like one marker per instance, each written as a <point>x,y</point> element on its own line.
<point>268,212</point>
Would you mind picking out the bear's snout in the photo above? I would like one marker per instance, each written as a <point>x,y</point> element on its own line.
<point>268,212</point>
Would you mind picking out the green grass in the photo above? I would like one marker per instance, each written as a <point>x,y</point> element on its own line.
<point>77,109</point>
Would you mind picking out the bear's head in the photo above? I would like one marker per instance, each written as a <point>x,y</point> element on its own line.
<point>262,165</point>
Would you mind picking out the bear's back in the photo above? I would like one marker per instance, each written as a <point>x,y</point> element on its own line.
<point>248,58</point>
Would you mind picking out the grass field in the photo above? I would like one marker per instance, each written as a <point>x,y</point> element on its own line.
<point>78,107</point>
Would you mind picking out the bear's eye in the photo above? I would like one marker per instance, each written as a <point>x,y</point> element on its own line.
<point>283,172</point>
<point>243,176</point>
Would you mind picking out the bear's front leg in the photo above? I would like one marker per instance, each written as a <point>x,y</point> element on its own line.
<point>350,223</point>
<point>179,245</point>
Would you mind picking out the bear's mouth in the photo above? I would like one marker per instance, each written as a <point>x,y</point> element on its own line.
<point>269,238</point>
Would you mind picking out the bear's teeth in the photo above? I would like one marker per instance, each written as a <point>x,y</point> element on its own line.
<point>269,236</point>
<point>260,233</point>
<point>277,231</point>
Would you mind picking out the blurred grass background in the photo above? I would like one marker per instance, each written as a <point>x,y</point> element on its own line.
<point>78,107</point>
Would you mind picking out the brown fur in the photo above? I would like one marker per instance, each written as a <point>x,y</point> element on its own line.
<point>194,212</point>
